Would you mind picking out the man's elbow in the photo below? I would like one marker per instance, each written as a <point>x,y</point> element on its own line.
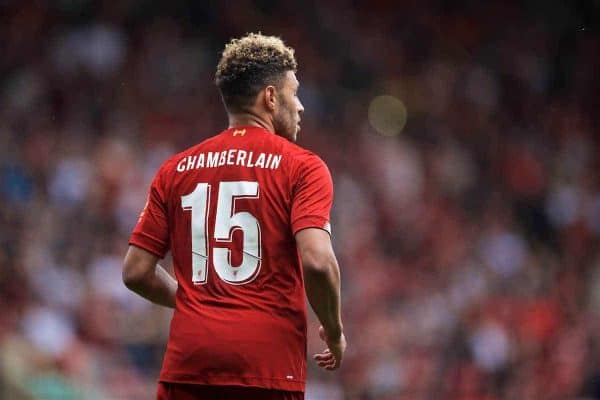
<point>134,274</point>
<point>315,263</point>
<point>138,268</point>
<point>131,276</point>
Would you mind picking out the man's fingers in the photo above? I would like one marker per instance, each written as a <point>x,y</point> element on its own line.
<point>330,360</point>
<point>324,353</point>
<point>327,364</point>
<point>326,360</point>
<point>323,357</point>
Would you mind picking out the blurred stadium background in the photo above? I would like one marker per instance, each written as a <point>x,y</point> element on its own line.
<point>462,138</point>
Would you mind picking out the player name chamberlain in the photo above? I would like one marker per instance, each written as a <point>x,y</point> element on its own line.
<point>237,157</point>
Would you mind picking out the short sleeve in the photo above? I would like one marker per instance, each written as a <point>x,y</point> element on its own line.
<point>312,196</point>
<point>152,232</point>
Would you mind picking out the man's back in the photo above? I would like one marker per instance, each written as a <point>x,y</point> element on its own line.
<point>228,209</point>
<point>238,212</point>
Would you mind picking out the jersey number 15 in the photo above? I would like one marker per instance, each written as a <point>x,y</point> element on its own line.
<point>226,223</point>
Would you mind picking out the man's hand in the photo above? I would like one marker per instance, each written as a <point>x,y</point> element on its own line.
<point>331,358</point>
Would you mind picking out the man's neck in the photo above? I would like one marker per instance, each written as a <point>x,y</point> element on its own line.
<point>247,119</point>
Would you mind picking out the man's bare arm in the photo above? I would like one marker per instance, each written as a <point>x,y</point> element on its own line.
<point>143,275</point>
<point>322,282</point>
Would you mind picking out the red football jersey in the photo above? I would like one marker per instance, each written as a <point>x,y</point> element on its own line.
<point>228,209</point>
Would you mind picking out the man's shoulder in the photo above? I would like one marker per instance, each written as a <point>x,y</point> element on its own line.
<point>298,153</point>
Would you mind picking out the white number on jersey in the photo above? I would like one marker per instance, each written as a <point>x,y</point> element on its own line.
<point>226,223</point>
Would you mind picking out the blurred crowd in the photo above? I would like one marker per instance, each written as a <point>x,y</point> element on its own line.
<point>468,237</point>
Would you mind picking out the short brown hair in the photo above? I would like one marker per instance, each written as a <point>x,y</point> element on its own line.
<point>248,65</point>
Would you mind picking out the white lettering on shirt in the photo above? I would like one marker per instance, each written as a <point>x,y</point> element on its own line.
<point>190,162</point>
<point>181,165</point>
<point>241,158</point>
<point>212,159</point>
<point>200,163</point>
<point>230,155</point>
<point>260,161</point>
<point>275,162</point>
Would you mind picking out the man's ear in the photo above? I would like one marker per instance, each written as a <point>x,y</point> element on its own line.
<point>270,97</point>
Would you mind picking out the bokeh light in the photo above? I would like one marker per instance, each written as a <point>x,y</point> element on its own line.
<point>387,115</point>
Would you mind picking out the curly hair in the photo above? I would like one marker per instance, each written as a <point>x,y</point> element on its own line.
<point>248,65</point>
